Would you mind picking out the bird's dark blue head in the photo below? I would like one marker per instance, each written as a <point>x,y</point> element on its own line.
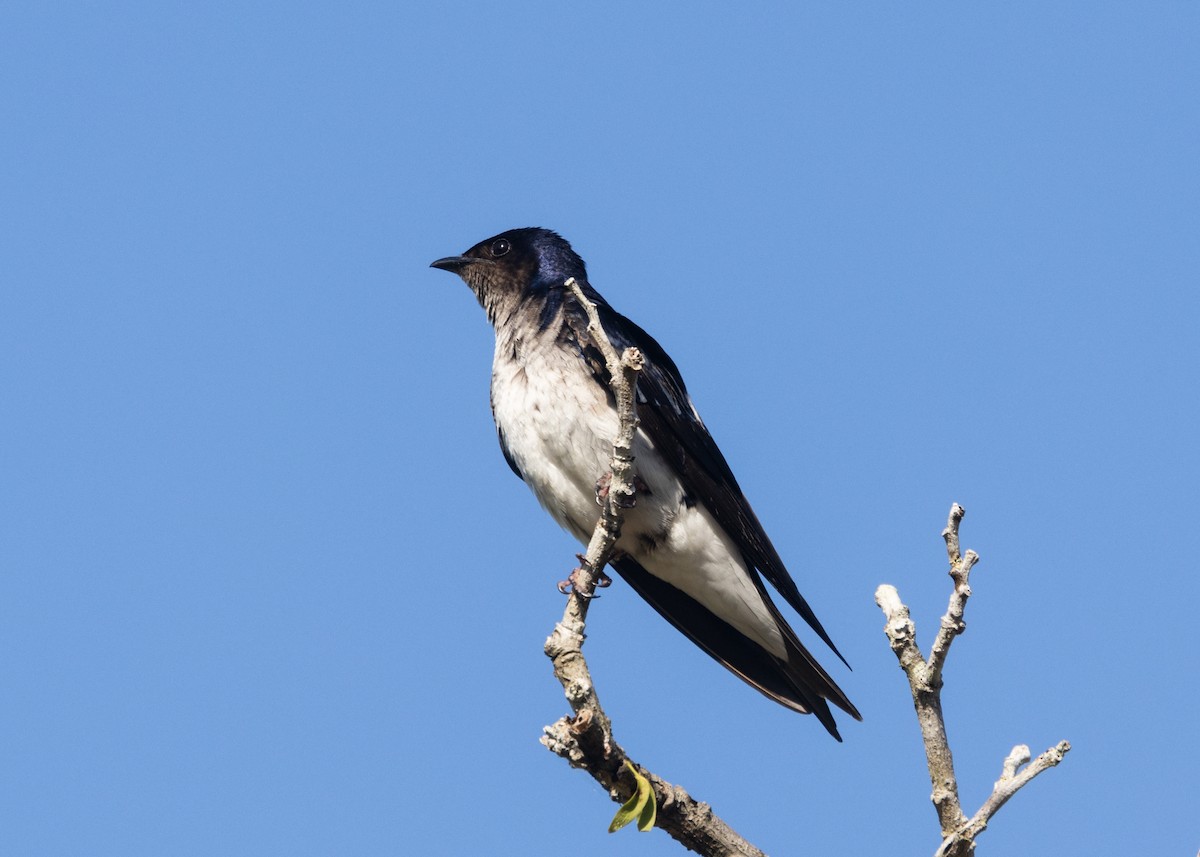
<point>515,267</point>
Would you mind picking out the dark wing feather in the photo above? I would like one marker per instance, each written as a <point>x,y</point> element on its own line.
<point>798,683</point>
<point>667,415</point>
<point>508,456</point>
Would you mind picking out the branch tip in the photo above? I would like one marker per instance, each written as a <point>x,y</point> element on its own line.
<point>1019,756</point>
<point>888,600</point>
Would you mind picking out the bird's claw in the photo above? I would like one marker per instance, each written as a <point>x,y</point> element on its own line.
<point>571,584</point>
<point>604,485</point>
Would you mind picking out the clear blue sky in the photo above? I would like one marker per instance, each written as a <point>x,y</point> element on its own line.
<point>268,586</point>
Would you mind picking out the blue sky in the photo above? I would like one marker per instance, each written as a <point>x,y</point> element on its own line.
<point>268,585</point>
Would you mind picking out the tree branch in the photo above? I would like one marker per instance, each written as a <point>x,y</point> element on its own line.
<point>960,572</point>
<point>925,682</point>
<point>585,739</point>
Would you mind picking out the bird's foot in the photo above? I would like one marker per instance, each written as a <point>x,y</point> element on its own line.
<point>571,584</point>
<point>604,485</point>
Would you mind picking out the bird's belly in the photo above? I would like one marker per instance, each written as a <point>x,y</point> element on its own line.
<point>558,426</point>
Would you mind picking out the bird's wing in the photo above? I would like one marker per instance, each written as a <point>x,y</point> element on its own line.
<point>508,456</point>
<point>667,415</point>
<point>798,682</point>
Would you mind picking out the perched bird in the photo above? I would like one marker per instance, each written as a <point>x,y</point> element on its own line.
<point>691,546</point>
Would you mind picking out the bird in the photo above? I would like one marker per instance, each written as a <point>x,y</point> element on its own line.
<point>690,545</point>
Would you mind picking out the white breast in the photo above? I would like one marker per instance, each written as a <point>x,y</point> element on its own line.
<point>555,422</point>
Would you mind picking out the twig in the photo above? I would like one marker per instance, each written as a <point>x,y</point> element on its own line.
<point>925,682</point>
<point>585,739</point>
<point>960,572</point>
<point>962,841</point>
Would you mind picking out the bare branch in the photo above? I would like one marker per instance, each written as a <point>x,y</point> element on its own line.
<point>963,841</point>
<point>926,694</point>
<point>960,572</point>
<point>585,739</point>
<point>925,682</point>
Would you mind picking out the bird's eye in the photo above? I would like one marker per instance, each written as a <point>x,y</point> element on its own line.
<point>500,247</point>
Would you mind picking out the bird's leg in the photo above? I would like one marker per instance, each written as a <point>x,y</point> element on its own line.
<point>604,483</point>
<point>566,587</point>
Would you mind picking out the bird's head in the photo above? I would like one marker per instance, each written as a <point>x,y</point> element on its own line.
<point>514,267</point>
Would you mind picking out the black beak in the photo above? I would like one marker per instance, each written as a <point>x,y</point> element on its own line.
<point>453,264</point>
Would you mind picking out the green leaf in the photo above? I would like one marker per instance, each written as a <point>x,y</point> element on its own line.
<point>641,805</point>
<point>650,811</point>
<point>627,813</point>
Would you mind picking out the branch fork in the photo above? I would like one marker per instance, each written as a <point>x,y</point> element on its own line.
<point>925,682</point>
